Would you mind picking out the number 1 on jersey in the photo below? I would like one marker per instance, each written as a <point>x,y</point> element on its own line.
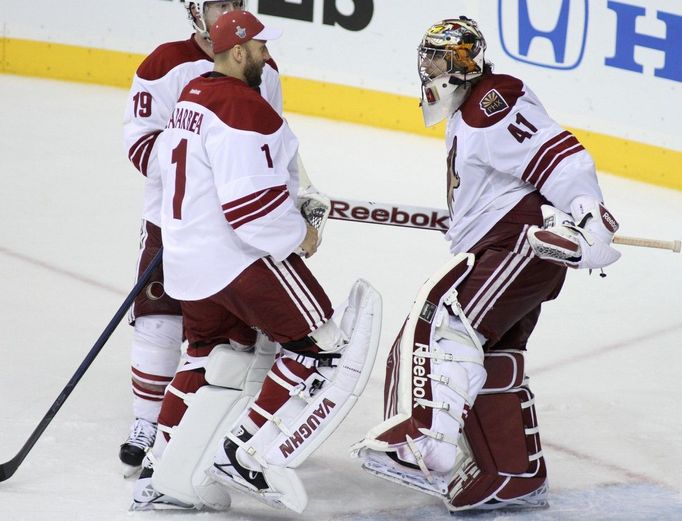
<point>266,150</point>
<point>179,158</point>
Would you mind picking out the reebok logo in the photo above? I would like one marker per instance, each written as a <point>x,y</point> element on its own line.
<point>393,215</point>
<point>608,220</point>
<point>307,428</point>
<point>419,377</point>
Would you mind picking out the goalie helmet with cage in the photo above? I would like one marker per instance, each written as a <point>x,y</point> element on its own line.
<point>450,56</point>
<point>196,12</point>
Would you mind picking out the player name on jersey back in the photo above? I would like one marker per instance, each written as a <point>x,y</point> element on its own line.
<point>186,119</point>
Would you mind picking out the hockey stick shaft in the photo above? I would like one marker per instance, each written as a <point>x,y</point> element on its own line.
<point>8,468</point>
<point>390,214</point>
<point>438,219</point>
<point>674,246</point>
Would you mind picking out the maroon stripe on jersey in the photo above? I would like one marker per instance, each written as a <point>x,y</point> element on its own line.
<point>247,198</point>
<point>548,157</point>
<point>560,157</point>
<point>139,153</point>
<point>151,377</point>
<point>254,206</point>
<point>547,145</point>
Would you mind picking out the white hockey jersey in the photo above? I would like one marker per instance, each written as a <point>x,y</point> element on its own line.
<point>156,87</point>
<point>502,145</point>
<point>228,168</point>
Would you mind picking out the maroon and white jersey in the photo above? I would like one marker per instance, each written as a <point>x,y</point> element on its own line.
<point>502,145</point>
<point>228,168</point>
<point>156,88</point>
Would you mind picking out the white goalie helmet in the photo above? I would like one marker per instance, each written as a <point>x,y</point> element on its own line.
<point>196,12</point>
<point>450,56</point>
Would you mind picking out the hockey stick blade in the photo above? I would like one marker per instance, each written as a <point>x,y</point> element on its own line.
<point>8,468</point>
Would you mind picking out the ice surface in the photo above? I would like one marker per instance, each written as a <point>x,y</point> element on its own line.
<point>604,361</point>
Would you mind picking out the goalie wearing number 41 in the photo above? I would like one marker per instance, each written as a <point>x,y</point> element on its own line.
<point>525,205</point>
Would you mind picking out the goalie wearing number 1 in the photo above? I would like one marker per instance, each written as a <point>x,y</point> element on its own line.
<point>525,205</point>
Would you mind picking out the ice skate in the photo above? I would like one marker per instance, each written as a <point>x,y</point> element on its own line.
<point>139,441</point>
<point>228,471</point>
<point>388,466</point>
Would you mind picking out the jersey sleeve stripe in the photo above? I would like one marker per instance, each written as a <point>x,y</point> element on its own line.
<point>141,151</point>
<point>549,153</point>
<point>548,158</point>
<point>559,157</point>
<point>546,146</point>
<point>233,205</point>
<point>259,206</point>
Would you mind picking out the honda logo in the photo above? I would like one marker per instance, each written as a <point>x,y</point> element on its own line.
<point>547,33</point>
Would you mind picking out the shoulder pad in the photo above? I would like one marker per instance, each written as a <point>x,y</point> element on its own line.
<point>234,103</point>
<point>168,56</point>
<point>491,99</point>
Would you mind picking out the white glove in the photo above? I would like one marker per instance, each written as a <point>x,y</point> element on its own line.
<point>315,208</point>
<point>583,245</point>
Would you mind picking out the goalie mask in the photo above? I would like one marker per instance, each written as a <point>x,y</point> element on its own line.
<point>450,56</point>
<point>196,12</point>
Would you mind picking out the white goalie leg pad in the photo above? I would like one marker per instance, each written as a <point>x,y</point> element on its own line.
<point>437,372</point>
<point>313,412</point>
<point>234,378</point>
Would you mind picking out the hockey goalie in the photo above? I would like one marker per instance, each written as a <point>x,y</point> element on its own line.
<point>525,205</point>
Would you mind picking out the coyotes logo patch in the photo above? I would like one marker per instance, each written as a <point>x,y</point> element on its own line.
<point>493,102</point>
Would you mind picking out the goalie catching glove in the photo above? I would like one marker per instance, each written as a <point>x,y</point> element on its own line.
<point>586,244</point>
<point>314,205</point>
<point>315,208</point>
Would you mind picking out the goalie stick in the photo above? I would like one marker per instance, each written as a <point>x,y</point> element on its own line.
<point>8,468</point>
<point>438,219</point>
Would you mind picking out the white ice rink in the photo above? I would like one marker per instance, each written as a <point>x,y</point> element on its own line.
<point>605,360</point>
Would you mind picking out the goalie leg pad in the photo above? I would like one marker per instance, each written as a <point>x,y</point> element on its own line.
<point>501,463</point>
<point>234,378</point>
<point>315,408</point>
<point>433,377</point>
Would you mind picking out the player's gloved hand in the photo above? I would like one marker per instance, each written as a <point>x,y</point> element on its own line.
<point>582,245</point>
<point>315,208</point>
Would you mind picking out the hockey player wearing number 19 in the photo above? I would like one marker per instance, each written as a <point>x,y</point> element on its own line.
<point>525,205</point>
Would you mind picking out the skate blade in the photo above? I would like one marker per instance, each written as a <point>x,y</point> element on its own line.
<point>436,488</point>
<point>270,498</point>
<point>536,500</point>
<point>146,507</point>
